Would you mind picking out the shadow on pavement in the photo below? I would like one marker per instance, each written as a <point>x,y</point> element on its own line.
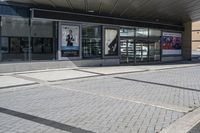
<point>43,121</point>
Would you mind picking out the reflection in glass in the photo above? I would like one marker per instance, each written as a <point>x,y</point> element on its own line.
<point>42,40</point>
<point>142,51</point>
<point>127,50</point>
<point>154,50</point>
<point>154,33</point>
<point>91,41</point>
<point>42,45</point>
<point>14,32</point>
<point>111,42</point>
<point>15,46</point>
<point>127,32</point>
<point>4,45</point>
<point>141,32</point>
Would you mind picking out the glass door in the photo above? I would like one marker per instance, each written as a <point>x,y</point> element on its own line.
<point>154,50</point>
<point>142,51</point>
<point>127,50</point>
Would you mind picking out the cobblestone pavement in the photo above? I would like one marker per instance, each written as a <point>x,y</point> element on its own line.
<point>143,102</point>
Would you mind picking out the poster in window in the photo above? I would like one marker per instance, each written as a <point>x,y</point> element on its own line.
<point>70,40</point>
<point>171,43</point>
<point>111,42</point>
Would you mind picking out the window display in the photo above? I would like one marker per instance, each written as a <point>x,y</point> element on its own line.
<point>111,42</point>
<point>91,41</point>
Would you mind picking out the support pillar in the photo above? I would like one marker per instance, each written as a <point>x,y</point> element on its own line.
<point>0,40</point>
<point>187,42</point>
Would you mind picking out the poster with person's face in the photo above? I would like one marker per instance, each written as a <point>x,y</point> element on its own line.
<point>111,42</point>
<point>70,40</point>
<point>171,43</point>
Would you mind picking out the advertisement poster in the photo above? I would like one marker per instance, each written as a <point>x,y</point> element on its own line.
<point>111,42</point>
<point>171,43</point>
<point>70,41</point>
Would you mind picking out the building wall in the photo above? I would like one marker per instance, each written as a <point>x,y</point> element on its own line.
<point>196,36</point>
<point>21,43</point>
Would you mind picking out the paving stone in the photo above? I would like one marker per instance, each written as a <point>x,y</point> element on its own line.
<point>104,104</point>
<point>9,81</point>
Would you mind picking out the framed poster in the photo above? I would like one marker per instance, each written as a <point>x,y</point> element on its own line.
<point>171,43</point>
<point>69,45</point>
<point>111,42</point>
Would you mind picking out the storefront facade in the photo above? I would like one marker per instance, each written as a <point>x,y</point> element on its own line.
<point>32,35</point>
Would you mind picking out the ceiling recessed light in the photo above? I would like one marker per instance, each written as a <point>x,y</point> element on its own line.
<point>157,20</point>
<point>91,11</point>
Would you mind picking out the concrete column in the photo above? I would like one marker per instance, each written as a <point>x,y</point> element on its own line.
<point>187,41</point>
<point>0,40</point>
<point>29,40</point>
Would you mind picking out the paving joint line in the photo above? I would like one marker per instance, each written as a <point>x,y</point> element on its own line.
<point>178,67</point>
<point>43,121</point>
<point>86,77</point>
<point>138,101</point>
<point>120,73</point>
<point>37,71</point>
<point>28,78</point>
<point>159,84</point>
<point>14,86</point>
<point>81,70</point>
<point>60,80</point>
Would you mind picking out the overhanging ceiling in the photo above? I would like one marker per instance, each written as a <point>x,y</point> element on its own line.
<point>164,11</point>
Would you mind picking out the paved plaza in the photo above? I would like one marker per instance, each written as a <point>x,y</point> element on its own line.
<point>121,99</point>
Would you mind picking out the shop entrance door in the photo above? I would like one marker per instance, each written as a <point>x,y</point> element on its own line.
<point>127,50</point>
<point>142,51</point>
<point>154,50</point>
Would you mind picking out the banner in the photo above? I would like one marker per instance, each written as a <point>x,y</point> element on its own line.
<point>70,41</point>
<point>171,43</point>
